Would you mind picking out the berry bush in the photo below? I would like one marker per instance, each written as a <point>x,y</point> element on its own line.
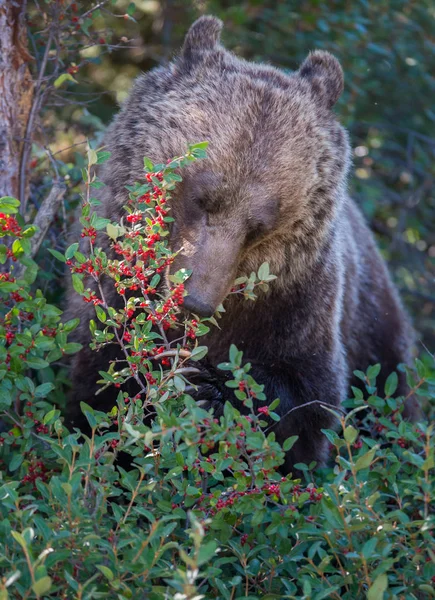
<point>203,510</point>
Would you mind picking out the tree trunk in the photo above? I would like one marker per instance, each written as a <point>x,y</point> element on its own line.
<point>16,93</point>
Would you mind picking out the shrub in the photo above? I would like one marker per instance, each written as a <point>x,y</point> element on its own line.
<point>203,511</point>
<point>31,334</point>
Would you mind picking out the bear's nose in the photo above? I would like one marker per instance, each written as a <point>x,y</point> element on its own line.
<point>197,306</point>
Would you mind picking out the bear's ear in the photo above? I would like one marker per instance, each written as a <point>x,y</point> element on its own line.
<point>325,75</point>
<point>203,36</point>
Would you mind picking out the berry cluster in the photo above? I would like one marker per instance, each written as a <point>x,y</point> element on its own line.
<point>166,313</point>
<point>91,266</point>
<point>9,225</point>
<point>138,256</point>
<point>228,499</point>
<point>134,218</point>
<point>36,470</point>
<point>89,232</point>
<point>92,297</point>
<point>191,329</point>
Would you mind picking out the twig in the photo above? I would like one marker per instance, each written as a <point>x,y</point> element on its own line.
<point>324,405</point>
<point>10,416</point>
<point>91,10</point>
<point>182,353</point>
<point>187,371</point>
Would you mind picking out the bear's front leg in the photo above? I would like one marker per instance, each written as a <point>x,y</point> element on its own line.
<point>208,388</point>
<point>308,389</point>
<point>305,386</point>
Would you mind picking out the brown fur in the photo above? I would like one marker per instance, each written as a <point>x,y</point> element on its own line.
<point>273,188</point>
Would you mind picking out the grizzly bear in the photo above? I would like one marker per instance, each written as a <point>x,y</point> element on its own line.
<point>272,188</point>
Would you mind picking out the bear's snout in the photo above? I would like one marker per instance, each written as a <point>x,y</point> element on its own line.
<point>197,306</point>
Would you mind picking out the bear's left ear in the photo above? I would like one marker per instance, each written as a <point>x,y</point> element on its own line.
<point>203,37</point>
<point>325,75</point>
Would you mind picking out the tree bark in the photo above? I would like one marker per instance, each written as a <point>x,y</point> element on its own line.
<point>16,93</point>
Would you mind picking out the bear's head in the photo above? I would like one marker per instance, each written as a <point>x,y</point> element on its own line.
<point>274,178</point>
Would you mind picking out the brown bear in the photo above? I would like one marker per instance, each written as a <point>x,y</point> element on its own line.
<point>273,188</point>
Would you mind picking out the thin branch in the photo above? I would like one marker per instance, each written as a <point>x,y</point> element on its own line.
<point>324,405</point>
<point>69,147</point>
<point>91,10</point>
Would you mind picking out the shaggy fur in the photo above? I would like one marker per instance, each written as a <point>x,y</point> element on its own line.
<point>273,188</point>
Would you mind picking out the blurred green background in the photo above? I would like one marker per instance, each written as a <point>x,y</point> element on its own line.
<point>386,48</point>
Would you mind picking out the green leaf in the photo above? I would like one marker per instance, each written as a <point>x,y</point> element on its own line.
<point>31,271</point>
<point>18,248</point>
<point>331,514</point>
<point>71,581</point>
<point>263,271</point>
<point>258,517</point>
<point>6,201</point>
<point>100,313</point>
<point>155,280</point>
<point>148,164</point>
<point>415,459</point>
<point>16,462</point>
<point>29,231</point>
<point>131,9</point>
<point>34,362</point>
<point>78,283</point>
<point>43,390</point>
<point>3,253</point>
<point>102,157</point>
<point>369,547</point>
<point>99,222</point>
<point>365,461</point>
<point>350,434</point>
<point>233,353</point>
<point>373,371</point>
<point>72,347</point>
<point>105,571</point>
<point>57,255</point>
<point>50,416</point>
<point>199,352</point>
<point>53,355</point>
<point>19,538</point>
<point>179,384</point>
<point>421,368</point>
<point>429,589</point>
<point>113,231</point>
<point>81,258</point>
<point>92,157</point>
<point>206,552</point>
<point>377,589</point>
<point>289,443</point>
<point>199,146</point>
<point>42,586</point>
<point>62,78</point>
<point>391,384</point>
<point>71,325</point>
<point>97,185</point>
<point>88,411</point>
<point>71,250</point>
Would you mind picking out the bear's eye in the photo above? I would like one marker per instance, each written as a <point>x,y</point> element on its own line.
<point>206,204</point>
<point>200,202</point>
